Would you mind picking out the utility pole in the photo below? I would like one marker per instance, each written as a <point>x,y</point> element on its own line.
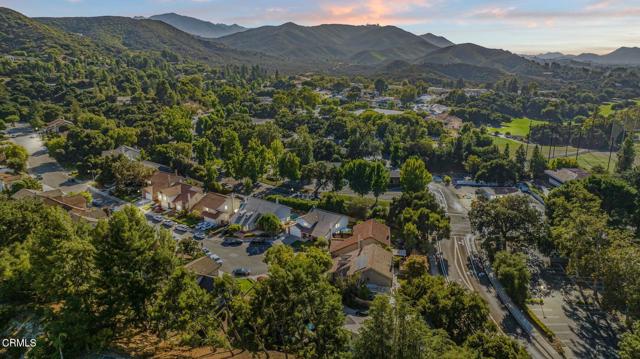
<point>610,145</point>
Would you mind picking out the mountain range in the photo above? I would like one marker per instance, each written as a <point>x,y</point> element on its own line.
<point>620,56</point>
<point>198,27</point>
<point>345,49</point>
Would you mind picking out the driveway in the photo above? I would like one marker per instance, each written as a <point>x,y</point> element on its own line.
<point>41,164</point>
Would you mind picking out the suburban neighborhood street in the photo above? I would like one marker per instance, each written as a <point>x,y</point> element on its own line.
<point>40,163</point>
<point>458,267</point>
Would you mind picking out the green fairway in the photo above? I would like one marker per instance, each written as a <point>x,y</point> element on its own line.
<point>585,160</point>
<point>606,108</point>
<point>517,126</point>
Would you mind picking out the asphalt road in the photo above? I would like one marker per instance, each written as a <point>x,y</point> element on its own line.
<point>41,164</point>
<point>457,267</point>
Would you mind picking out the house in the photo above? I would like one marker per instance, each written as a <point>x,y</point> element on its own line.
<point>564,175</point>
<point>373,264</point>
<point>253,208</point>
<point>57,126</point>
<point>206,270</point>
<point>159,181</point>
<point>318,223</point>
<point>217,208</point>
<point>131,153</point>
<point>179,197</point>
<point>135,154</point>
<point>7,180</point>
<point>394,177</point>
<point>364,234</point>
<point>76,205</point>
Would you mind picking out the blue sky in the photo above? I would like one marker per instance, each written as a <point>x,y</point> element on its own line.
<point>570,26</point>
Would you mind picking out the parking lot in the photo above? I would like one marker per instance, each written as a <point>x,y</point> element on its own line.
<point>245,255</point>
<point>571,312</point>
<point>241,255</point>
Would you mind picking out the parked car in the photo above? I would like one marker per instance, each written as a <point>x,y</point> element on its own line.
<point>199,236</point>
<point>203,226</point>
<point>229,241</point>
<point>214,256</point>
<point>206,250</point>
<point>158,218</point>
<point>362,313</point>
<point>97,202</point>
<point>241,272</point>
<point>168,223</point>
<point>182,228</point>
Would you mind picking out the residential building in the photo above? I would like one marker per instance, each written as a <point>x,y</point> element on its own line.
<point>318,223</point>
<point>180,197</point>
<point>206,270</point>
<point>57,126</point>
<point>253,208</point>
<point>159,181</point>
<point>564,175</point>
<point>373,264</point>
<point>131,153</point>
<point>76,205</point>
<point>364,234</point>
<point>217,208</point>
<point>135,154</point>
<point>394,177</point>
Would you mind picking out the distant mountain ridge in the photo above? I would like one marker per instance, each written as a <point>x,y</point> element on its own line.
<point>332,43</point>
<point>620,56</point>
<point>198,27</point>
<point>117,33</point>
<point>439,41</point>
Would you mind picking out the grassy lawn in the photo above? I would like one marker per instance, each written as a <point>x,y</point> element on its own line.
<point>186,220</point>
<point>585,160</point>
<point>245,284</point>
<point>517,126</point>
<point>606,110</point>
<point>366,200</point>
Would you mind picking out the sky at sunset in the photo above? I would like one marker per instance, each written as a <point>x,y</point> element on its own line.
<point>570,26</point>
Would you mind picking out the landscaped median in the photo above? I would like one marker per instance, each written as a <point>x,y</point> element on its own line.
<point>551,336</point>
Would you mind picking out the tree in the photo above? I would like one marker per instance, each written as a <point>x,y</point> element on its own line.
<point>537,163</point>
<point>394,331</point>
<point>472,164</point>
<point>626,155</point>
<point>15,156</point>
<point>408,94</point>
<point>415,266</point>
<point>414,176</point>
<point>320,172</point>
<point>380,85</point>
<point>630,343</point>
<point>295,309</point>
<point>270,223</point>
<point>447,306</point>
<point>231,153</point>
<point>506,220</point>
<point>380,177</point>
<point>182,306</point>
<point>512,271</point>
<point>129,251</point>
<point>500,171</point>
<point>129,176</point>
<point>521,162</point>
<point>358,173</point>
<point>494,345</point>
<point>289,166</point>
<point>26,182</point>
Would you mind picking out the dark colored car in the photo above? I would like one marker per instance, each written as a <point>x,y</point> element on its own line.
<point>241,272</point>
<point>231,241</point>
